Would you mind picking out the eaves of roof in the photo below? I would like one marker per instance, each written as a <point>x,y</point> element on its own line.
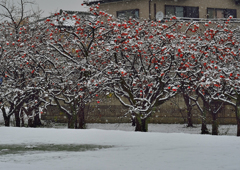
<point>91,2</point>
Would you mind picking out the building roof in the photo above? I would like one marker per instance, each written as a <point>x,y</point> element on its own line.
<point>90,2</point>
<point>66,11</point>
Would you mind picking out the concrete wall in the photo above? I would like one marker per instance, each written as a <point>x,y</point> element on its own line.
<point>143,6</point>
<point>111,111</point>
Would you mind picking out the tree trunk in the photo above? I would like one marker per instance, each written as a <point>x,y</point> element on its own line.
<point>189,117</point>
<point>7,121</point>
<point>28,112</point>
<point>36,120</point>
<point>30,122</point>
<point>81,118</point>
<point>238,127</point>
<point>6,118</point>
<point>204,129</point>
<point>214,124</point>
<point>141,124</point>
<point>189,110</point>
<point>22,118</point>
<point>75,122</point>
<point>17,118</point>
<point>133,120</point>
<point>237,112</point>
<point>70,122</point>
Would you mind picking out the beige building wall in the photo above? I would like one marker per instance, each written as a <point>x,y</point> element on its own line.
<point>143,6</point>
<point>113,7</point>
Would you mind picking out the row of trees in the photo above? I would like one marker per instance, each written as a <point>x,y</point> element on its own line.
<point>68,60</point>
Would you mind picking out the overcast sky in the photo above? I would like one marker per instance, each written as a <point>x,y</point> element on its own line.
<point>49,6</point>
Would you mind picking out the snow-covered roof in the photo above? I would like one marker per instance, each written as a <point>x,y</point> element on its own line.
<point>90,2</point>
<point>78,13</point>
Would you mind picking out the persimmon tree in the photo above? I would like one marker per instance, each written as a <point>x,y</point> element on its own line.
<point>14,26</point>
<point>75,44</point>
<point>224,49</point>
<point>190,69</point>
<point>23,76</point>
<point>10,73</point>
<point>144,65</point>
<point>229,72</point>
<point>197,57</point>
<point>210,49</point>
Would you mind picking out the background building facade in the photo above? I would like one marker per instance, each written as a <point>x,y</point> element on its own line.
<point>155,9</point>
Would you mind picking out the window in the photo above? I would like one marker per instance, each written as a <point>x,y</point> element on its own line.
<point>182,11</point>
<point>221,13</point>
<point>134,13</point>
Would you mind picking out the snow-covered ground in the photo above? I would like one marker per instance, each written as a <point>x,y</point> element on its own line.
<point>129,151</point>
<point>230,130</point>
<point>165,147</point>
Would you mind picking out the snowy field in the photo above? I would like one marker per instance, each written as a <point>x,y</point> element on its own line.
<point>117,147</point>
<point>229,130</point>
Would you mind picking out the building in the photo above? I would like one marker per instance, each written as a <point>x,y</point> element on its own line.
<point>78,13</point>
<point>158,9</point>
